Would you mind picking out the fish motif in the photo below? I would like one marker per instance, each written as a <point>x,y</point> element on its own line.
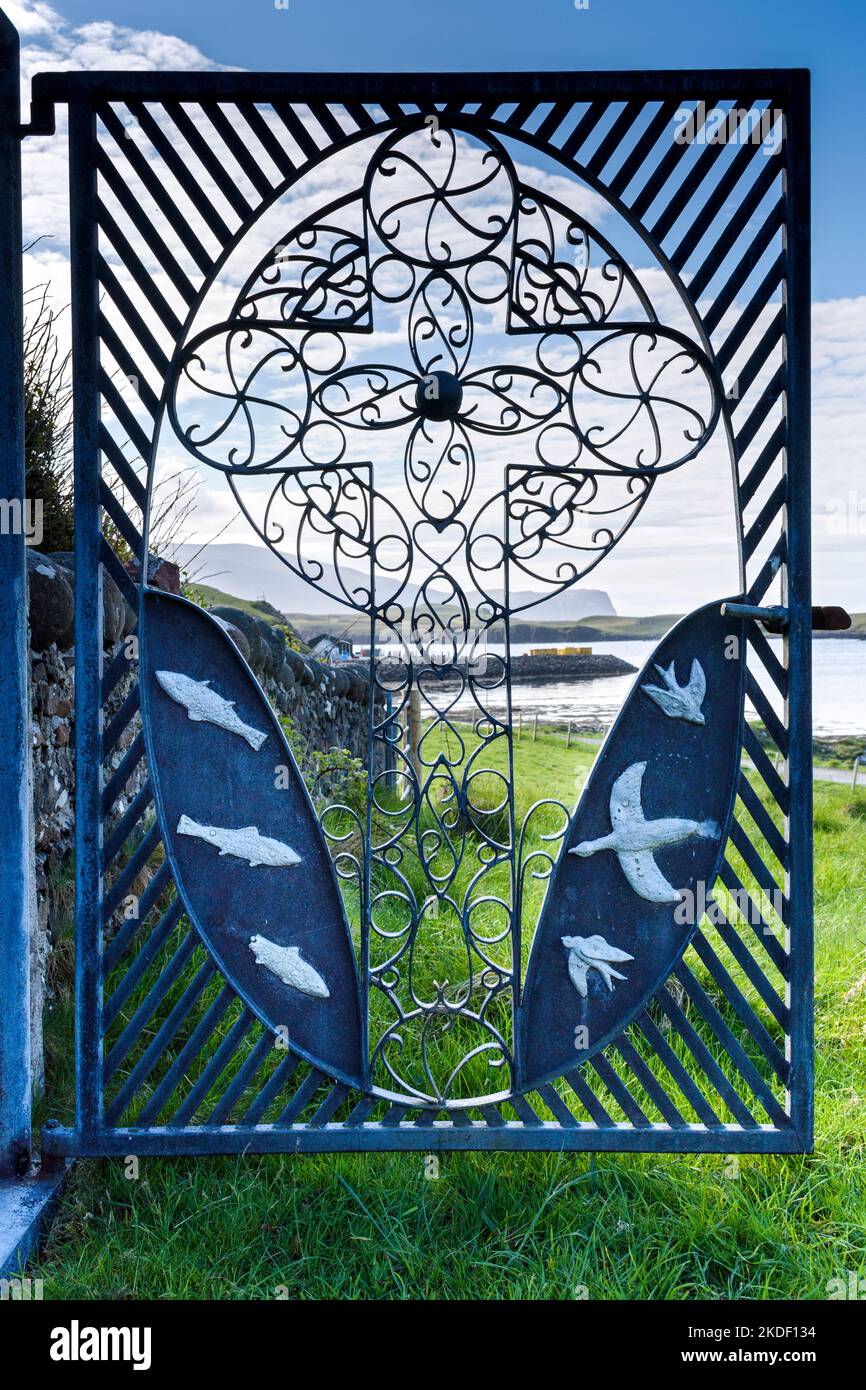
<point>285,962</point>
<point>680,701</point>
<point>633,838</point>
<point>205,706</point>
<point>592,953</point>
<point>245,843</point>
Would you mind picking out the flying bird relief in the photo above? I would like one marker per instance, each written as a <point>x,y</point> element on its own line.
<point>680,701</point>
<point>694,759</point>
<point>634,839</point>
<point>205,706</point>
<point>245,843</point>
<point>285,962</point>
<point>593,953</point>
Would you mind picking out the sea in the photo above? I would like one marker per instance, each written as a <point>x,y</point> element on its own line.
<point>838,689</point>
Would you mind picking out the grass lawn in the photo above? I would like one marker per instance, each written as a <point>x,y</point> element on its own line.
<point>508,1226</point>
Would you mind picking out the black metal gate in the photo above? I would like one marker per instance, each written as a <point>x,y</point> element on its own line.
<point>272,996</point>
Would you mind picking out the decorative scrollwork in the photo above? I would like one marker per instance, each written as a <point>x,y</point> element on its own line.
<point>566,275</point>
<point>438,199</point>
<point>440,243</point>
<point>667,409</point>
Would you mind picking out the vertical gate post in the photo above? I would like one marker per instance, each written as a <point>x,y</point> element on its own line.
<point>16,838</point>
<point>15,899</point>
<point>799,886</point>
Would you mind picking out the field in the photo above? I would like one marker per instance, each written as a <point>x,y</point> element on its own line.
<point>509,1226</point>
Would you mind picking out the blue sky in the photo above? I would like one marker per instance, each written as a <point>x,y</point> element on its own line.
<point>393,35</point>
<point>386,35</point>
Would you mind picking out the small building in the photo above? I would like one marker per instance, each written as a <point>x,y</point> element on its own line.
<point>329,648</point>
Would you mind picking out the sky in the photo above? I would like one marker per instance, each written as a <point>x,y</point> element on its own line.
<point>384,35</point>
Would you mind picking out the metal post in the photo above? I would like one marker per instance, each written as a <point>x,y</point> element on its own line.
<point>519,725</point>
<point>390,756</point>
<point>17,838</point>
<point>88,621</point>
<point>534,727</point>
<point>415,736</point>
<point>854,771</point>
<point>568,735</point>
<point>796,596</point>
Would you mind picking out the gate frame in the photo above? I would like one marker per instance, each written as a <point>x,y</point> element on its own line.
<point>81,90</point>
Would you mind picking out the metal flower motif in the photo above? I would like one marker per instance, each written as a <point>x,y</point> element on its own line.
<point>441,399</point>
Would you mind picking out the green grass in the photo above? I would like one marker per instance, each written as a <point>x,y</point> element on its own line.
<point>500,1225</point>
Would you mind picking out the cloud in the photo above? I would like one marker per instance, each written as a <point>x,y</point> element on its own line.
<point>32,20</point>
<point>680,551</point>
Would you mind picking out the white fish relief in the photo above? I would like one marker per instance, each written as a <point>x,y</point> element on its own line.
<point>285,962</point>
<point>245,843</point>
<point>680,701</point>
<point>593,953</point>
<point>205,706</point>
<point>633,838</point>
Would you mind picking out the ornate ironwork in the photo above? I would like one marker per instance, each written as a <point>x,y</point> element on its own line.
<point>441,229</point>
<point>523,466</point>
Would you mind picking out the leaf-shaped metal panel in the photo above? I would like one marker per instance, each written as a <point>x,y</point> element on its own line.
<point>245,846</point>
<point>642,851</point>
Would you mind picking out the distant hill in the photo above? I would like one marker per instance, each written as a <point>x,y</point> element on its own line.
<point>210,597</point>
<point>252,572</point>
<point>522,629</point>
<point>646,627</point>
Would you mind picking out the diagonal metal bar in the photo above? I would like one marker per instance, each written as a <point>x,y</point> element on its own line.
<point>186,1058</point>
<point>705,1060</point>
<point>120,943</point>
<point>738,1002</point>
<point>747,963</point>
<point>242,1081</point>
<point>138,807</point>
<point>650,1083</point>
<point>216,1065</point>
<point>766,825</point>
<point>152,1054</point>
<point>588,1099</point>
<point>156,186</point>
<point>669,1059</point>
<point>618,1089</point>
<point>747,1069</point>
<point>137,969</point>
<point>772,665</point>
<point>755,919</point>
<point>279,1078</point>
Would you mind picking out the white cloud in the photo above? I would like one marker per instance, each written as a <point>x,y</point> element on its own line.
<point>32,20</point>
<point>662,565</point>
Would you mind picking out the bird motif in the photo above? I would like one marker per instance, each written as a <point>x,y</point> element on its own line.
<point>680,701</point>
<point>592,953</point>
<point>634,839</point>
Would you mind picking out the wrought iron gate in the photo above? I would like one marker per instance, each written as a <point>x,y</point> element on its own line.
<point>270,995</point>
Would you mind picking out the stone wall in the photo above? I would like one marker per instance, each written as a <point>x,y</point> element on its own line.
<point>328,707</point>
